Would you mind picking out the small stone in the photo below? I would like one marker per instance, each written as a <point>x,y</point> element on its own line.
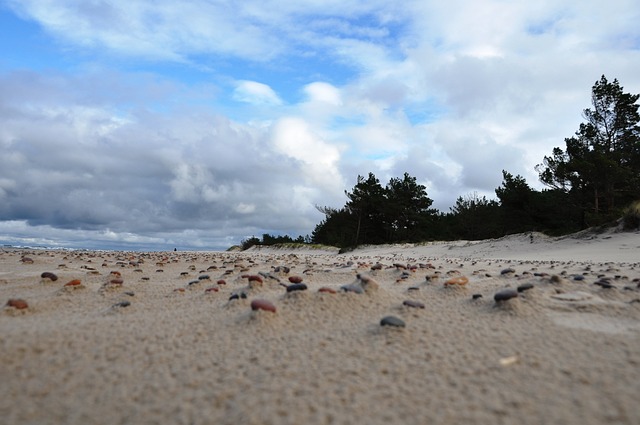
<point>476,296</point>
<point>241,295</point>
<point>193,282</point>
<point>352,288</point>
<point>505,295</point>
<point>221,282</point>
<point>255,278</point>
<point>263,305</point>
<point>507,271</point>
<point>130,293</point>
<point>413,304</point>
<point>295,279</point>
<point>525,287</point>
<point>17,303</point>
<point>122,304</point>
<point>459,280</point>
<point>327,290</point>
<point>578,277</point>
<point>392,321</point>
<point>212,289</point>
<point>27,260</point>
<point>297,287</point>
<point>74,282</point>
<point>204,277</point>
<point>48,275</point>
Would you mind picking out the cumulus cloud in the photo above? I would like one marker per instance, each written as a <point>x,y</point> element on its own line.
<point>256,93</point>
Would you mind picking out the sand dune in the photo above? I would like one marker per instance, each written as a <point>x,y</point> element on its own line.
<point>159,338</point>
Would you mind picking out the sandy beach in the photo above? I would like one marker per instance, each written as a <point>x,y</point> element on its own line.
<point>405,334</point>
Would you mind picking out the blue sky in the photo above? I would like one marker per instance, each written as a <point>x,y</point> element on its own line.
<point>195,124</point>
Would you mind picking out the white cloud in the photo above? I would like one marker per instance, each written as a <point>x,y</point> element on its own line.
<point>451,92</point>
<point>256,93</point>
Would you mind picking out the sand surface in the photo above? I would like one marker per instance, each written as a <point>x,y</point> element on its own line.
<point>168,345</point>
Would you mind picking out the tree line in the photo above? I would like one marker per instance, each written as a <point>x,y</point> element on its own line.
<point>595,179</point>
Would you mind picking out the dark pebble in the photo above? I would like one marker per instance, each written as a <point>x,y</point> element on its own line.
<point>392,321</point>
<point>413,288</point>
<point>504,295</point>
<point>49,275</point>
<point>412,303</point>
<point>238,296</point>
<point>578,277</point>
<point>295,279</point>
<point>204,277</point>
<point>297,287</point>
<point>507,271</point>
<point>122,304</point>
<point>131,294</point>
<point>193,282</point>
<point>525,287</point>
<point>604,284</point>
<point>476,296</point>
<point>352,288</point>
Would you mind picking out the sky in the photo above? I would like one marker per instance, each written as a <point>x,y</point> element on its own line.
<point>194,124</point>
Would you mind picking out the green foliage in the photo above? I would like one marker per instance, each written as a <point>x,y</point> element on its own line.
<point>373,214</point>
<point>269,240</point>
<point>600,166</point>
<point>631,216</point>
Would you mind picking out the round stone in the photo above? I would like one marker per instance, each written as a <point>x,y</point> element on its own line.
<point>263,305</point>
<point>413,304</point>
<point>476,296</point>
<point>392,321</point>
<point>295,279</point>
<point>48,275</point>
<point>297,287</point>
<point>17,303</point>
<point>505,295</point>
<point>507,271</point>
<point>525,287</point>
<point>74,282</point>
<point>327,290</point>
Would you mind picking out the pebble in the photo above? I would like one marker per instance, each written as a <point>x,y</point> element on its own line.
<point>238,296</point>
<point>212,289</point>
<point>295,279</point>
<point>352,288</point>
<point>122,304</point>
<point>504,295</point>
<point>413,304</point>
<point>507,271</point>
<point>525,287</point>
<point>263,305</point>
<point>459,280</point>
<point>392,321</point>
<point>48,275</point>
<point>327,290</point>
<point>255,278</point>
<point>204,277</point>
<point>297,287</point>
<point>74,282</point>
<point>221,282</point>
<point>17,303</point>
<point>476,296</point>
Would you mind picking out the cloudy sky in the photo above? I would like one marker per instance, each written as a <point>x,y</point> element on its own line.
<point>194,124</point>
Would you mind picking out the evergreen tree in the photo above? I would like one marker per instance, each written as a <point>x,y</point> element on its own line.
<point>600,167</point>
